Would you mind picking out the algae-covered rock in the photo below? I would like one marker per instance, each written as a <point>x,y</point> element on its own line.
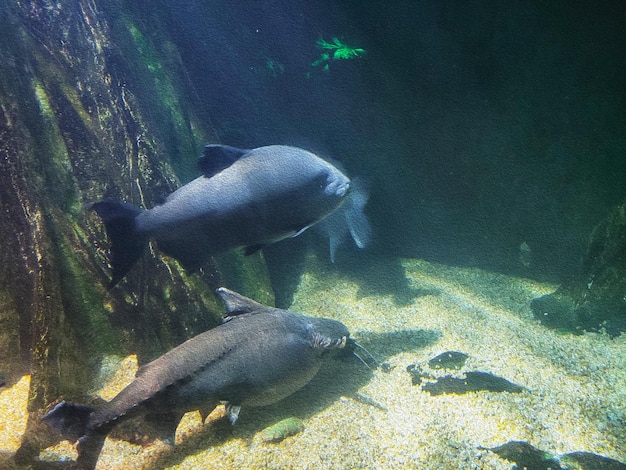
<point>79,122</point>
<point>596,298</point>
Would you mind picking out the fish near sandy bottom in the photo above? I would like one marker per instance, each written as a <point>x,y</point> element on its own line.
<point>257,356</point>
<point>245,198</point>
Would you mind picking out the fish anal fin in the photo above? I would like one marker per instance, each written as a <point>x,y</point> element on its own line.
<point>163,424</point>
<point>218,157</point>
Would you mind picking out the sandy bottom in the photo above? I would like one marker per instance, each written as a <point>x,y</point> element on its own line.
<point>575,397</point>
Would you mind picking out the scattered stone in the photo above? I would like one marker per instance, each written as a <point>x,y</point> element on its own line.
<point>284,428</point>
<point>368,401</point>
<point>448,360</point>
<point>593,299</point>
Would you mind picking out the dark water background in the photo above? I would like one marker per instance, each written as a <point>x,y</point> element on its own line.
<point>481,125</point>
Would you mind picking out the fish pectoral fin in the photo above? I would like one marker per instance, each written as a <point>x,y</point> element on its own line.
<point>298,232</point>
<point>232,411</point>
<point>191,254</point>
<point>218,157</point>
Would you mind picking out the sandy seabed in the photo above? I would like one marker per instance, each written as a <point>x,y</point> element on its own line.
<point>574,397</point>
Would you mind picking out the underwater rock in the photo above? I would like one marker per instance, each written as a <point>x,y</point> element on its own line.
<point>525,455</point>
<point>589,461</point>
<point>284,428</point>
<point>448,360</point>
<point>594,299</point>
<point>473,382</point>
<point>79,120</point>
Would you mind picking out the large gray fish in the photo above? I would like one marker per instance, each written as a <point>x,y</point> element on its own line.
<point>258,356</point>
<point>245,198</point>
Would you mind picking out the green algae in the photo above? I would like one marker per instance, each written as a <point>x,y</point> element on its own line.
<point>281,430</point>
<point>155,69</point>
<point>246,274</point>
<point>340,50</point>
<point>80,122</point>
<point>58,168</point>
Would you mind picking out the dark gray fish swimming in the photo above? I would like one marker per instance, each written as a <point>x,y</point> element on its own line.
<point>258,356</point>
<point>245,198</point>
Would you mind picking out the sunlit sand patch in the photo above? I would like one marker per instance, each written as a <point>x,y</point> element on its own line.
<point>13,414</point>
<point>574,397</point>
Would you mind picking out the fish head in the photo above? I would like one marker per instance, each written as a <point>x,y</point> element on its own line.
<point>337,184</point>
<point>328,336</point>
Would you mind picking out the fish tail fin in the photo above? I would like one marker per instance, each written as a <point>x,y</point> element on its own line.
<point>69,420</point>
<point>126,244</point>
<point>72,422</point>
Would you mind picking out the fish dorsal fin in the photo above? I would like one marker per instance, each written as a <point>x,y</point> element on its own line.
<point>237,304</point>
<point>217,157</point>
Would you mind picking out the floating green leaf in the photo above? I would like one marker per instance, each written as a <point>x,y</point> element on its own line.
<point>340,51</point>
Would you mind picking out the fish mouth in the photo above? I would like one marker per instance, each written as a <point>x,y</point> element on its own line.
<point>338,187</point>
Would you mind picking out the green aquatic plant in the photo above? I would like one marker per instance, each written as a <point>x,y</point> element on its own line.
<point>335,50</point>
<point>274,66</point>
<point>341,50</point>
